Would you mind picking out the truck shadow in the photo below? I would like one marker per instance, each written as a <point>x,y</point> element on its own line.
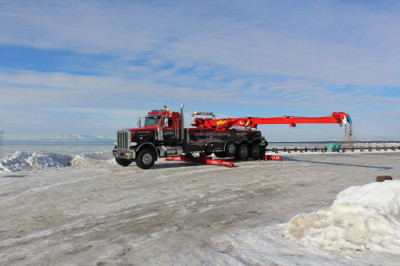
<point>340,164</point>
<point>165,165</point>
<point>177,164</point>
<point>13,176</point>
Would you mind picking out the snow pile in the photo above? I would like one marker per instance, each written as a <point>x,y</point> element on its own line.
<point>92,158</point>
<point>365,218</point>
<point>20,161</point>
<point>25,160</point>
<point>77,138</point>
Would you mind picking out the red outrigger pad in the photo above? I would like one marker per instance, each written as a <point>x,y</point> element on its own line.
<point>209,160</point>
<point>273,157</point>
<point>205,160</point>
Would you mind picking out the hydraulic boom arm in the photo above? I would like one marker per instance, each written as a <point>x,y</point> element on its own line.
<point>253,122</point>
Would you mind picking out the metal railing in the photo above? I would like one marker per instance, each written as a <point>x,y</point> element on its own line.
<point>325,149</point>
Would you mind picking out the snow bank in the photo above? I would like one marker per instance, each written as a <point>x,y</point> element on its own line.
<point>20,161</point>
<point>362,218</point>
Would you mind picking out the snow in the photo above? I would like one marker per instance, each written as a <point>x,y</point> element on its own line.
<point>309,209</point>
<point>77,138</point>
<point>20,161</point>
<point>362,218</point>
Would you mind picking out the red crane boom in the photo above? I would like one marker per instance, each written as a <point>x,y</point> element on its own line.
<point>252,122</point>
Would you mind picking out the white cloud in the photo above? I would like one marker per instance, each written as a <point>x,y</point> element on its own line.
<point>247,56</point>
<point>36,89</point>
<point>340,43</point>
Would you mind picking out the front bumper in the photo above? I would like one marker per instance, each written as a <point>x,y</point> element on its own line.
<point>124,154</point>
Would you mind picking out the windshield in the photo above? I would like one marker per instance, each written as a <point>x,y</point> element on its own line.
<point>151,121</point>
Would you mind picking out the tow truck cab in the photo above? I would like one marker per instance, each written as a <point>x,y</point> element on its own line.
<point>159,137</point>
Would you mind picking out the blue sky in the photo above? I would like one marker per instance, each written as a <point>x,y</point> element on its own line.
<point>93,67</point>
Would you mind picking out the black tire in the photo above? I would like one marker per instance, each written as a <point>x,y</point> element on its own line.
<point>207,153</point>
<point>220,154</point>
<point>231,149</point>
<point>262,152</point>
<point>123,162</point>
<point>243,152</point>
<point>255,151</point>
<point>146,158</point>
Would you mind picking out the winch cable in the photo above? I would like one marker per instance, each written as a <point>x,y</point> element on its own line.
<point>348,133</point>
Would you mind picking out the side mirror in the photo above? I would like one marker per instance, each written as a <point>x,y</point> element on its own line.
<point>166,122</point>
<point>139,123</point>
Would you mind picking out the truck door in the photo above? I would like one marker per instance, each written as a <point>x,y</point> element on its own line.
<point>169,134</point>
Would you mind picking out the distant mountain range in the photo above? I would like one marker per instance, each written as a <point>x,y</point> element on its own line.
<point>79,138</point>
<point>73,138</point>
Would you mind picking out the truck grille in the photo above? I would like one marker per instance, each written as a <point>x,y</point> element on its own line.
<point>124,137</point>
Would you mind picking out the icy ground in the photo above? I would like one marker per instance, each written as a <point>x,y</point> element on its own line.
<point>270,213</point>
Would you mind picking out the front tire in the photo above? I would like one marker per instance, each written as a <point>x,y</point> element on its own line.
<point>146,158</point>
<point>123,162</point>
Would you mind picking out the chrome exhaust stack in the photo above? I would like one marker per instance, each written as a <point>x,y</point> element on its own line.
<point>182,124</point>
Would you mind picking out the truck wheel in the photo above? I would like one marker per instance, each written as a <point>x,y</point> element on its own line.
<point>146,158</point>
<point>231,149</point>
<point>220,154</point>
<point>123,162</point>
<point>207,153</point>
<point>243,152</point>
<point>255,151</point>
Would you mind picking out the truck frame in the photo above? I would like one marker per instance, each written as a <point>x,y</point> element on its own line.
<point>164,135</point>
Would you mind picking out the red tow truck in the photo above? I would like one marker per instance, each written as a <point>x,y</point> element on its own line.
<point>164,135</point>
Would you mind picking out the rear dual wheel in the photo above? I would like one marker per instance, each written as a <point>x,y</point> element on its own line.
<point>243,152</point>
<point>255,151</point>
<point>231,149</point>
